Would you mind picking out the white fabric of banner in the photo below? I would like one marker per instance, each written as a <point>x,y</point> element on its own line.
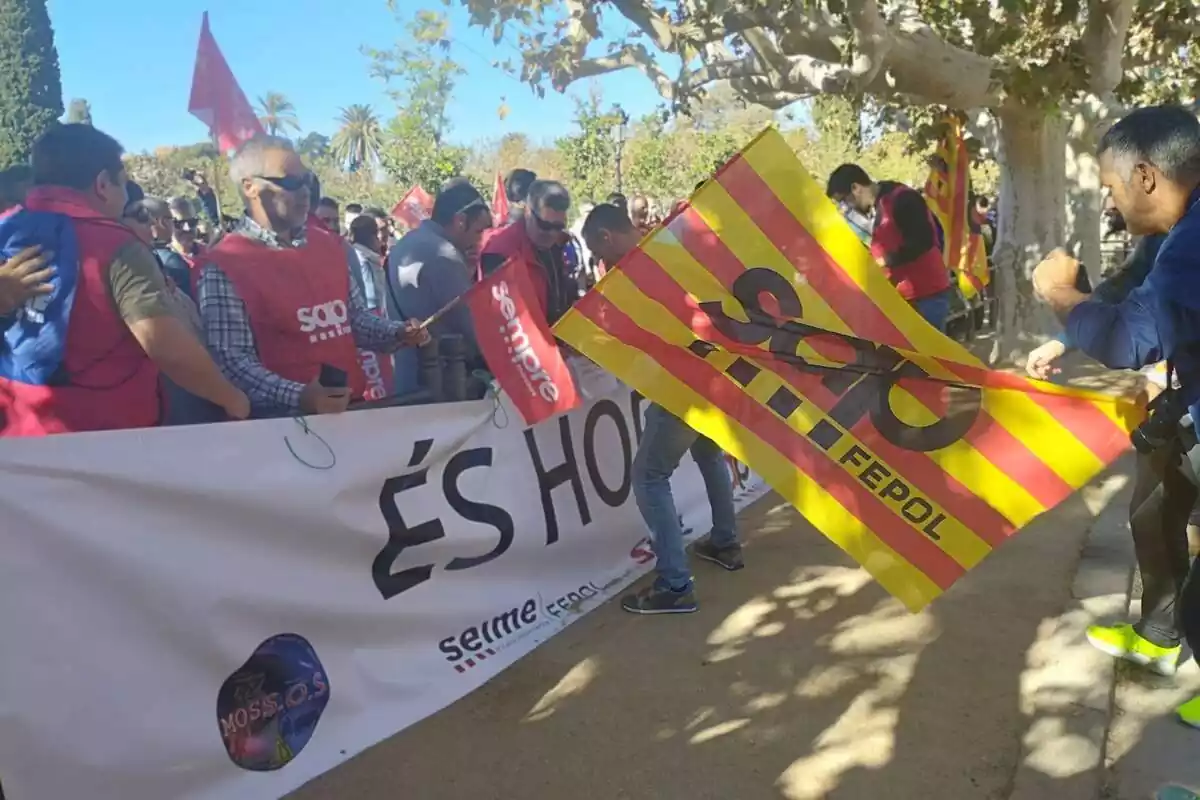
<point>194,612</point>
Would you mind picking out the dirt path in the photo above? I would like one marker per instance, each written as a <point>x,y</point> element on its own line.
<point>798,678</point>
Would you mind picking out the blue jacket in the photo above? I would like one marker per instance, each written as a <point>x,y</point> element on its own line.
<point>1158,319</point>
<point>1131,275</point>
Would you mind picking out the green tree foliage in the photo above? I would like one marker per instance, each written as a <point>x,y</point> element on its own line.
<point>410,156</point>
<point>79,111</point>
<point>31,88</point>
<point>358,140</point>
<point>589,156</point>
<point>420,75</point>
<point>313,145</point>
<point>277,114</point>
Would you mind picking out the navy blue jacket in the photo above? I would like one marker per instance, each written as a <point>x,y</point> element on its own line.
<point>1159,319</point>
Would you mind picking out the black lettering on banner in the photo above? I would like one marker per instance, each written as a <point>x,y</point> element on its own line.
<point>861,394</point>
<point>472,511</point>
<point>607,408</point>
<point>400,535</point>
<point>872,474</point>
<point>549,480</point>
<point>635,413</point>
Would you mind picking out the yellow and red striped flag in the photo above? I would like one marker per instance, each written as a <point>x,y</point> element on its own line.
<point>948,191</point>
<point>756,316</point>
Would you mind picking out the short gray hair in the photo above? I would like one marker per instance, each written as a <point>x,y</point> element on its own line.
<point>247,162</point>
<point>181,205</point>
<point>155,206</point>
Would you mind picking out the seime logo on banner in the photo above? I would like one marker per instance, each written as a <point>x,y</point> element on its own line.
<point>317,320</point>
<point>535,378</point>
<point>477,642</point>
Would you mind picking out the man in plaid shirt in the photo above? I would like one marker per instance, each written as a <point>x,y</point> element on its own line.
<point>276,298</point>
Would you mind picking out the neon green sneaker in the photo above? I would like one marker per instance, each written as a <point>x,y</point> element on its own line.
<point>1122,641</point>
<point>1189,713</point>
<point>1173,791</point>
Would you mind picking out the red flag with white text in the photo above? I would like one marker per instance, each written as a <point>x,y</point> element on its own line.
<point>524,358</point>
<point>216,98</point>
<point>499,202</point>
<point>414,208</point>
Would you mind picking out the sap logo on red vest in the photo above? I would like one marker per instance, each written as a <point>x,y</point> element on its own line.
<point>325,321</point>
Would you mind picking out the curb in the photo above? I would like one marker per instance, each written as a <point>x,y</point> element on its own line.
<point>1069,688</point>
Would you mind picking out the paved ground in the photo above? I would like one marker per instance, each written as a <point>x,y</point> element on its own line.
<point>799,678</point>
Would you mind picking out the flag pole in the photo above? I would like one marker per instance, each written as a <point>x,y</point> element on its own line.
<point>216,180</point>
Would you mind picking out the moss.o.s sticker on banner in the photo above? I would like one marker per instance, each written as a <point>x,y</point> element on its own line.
<point>268,709</point>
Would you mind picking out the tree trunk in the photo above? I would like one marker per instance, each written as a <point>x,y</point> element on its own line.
<point>1032,222</point>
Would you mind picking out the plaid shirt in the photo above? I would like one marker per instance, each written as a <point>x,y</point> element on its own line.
<point>230,338</point>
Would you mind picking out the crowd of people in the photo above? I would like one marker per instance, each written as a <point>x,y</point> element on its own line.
<point>164,313</point>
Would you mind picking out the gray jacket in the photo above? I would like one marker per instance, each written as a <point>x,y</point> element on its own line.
<point>424,273</point>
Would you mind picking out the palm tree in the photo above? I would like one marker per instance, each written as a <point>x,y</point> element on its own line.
<point>277,114</point>
<point>357,142</point>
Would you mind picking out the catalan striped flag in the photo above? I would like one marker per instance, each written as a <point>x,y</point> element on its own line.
<point>948,192</point>
<point>756,316</point>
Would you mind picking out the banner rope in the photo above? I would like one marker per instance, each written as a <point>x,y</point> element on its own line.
<point>303,423</point>
<point>492,391</point>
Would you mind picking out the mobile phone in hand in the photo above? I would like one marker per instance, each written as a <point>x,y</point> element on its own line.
<point>333,378</point>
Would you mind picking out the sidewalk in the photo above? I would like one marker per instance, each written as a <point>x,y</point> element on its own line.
<point>800,678</point>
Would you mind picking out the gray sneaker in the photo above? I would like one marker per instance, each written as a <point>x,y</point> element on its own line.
<point>729,557</point>
<point>659,599</point>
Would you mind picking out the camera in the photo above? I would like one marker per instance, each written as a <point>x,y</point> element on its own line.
<point>1161,424</point>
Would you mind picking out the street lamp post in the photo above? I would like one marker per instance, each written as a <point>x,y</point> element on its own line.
<point>622,121</point>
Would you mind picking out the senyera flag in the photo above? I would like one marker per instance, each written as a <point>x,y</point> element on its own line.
<point>518,346</point>
<point>756,316</point>
<point>499,202</point>
<point>216,98</point>
<point>414,208</point>
<point>948,192</point>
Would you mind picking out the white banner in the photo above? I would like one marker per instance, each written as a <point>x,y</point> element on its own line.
<point>195,612</point>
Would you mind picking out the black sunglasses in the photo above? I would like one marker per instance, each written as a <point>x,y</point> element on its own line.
<point>547,226</point>
<point>189,224</point>
<point>290,183</point>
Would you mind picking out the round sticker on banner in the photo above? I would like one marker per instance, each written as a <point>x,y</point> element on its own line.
<point>268,709</point>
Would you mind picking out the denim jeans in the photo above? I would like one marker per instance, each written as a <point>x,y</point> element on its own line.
<point>935,309</point>
<point>665,439</point>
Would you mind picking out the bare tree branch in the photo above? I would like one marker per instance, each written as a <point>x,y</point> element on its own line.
<point>872,40</point>
<point>1104,42</point>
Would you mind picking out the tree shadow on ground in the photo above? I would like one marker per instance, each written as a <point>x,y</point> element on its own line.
<point>798,678</point>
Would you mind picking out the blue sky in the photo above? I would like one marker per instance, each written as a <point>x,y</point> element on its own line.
<point>132,60</point>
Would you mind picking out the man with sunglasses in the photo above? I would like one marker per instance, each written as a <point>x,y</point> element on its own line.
<point>540,240</point>
<point>433,264</point>
<point>276,297</point>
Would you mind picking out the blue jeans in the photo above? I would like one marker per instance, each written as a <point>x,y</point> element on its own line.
<point>665,439</point>
<point>934,308</point>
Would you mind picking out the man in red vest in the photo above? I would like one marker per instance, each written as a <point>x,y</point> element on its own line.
<point>539,239</point>
<point>276,297</point>
<point>904,239</point>
<point>87,355</point>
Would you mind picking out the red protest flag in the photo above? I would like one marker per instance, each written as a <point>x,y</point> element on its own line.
<point>524,358</point>
<point>414,208</point>
<point>499,202</point>
<point>216,99</point>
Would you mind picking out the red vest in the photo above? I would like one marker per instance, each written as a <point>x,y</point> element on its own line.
<point>922,276</point>
<point>110,383</point>
<point>298,301</point>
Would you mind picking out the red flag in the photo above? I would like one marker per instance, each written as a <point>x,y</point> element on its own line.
<point>499,203</point>
<point>415,207</point>
<point>524,358</point>
<point>216,99</point>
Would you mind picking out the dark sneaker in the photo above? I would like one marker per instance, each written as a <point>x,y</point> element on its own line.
<point>659,599</point>
<point>729,557</point>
